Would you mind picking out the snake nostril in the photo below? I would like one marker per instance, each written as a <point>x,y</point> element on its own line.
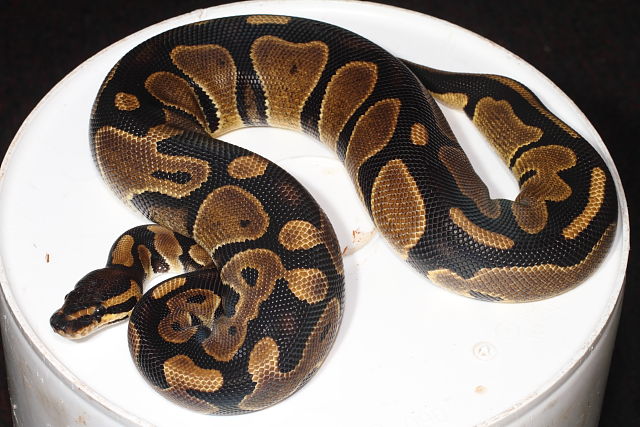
<point>58,322</point>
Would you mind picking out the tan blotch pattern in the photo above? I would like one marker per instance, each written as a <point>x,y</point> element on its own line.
<point>167,246</point>
<point>183,121</point>
<point>468,181</point>
<point>245,167</point>
<point>530,207</point>
<point>83,312</point>
<point>289,72</point>
<point>290,194</point>
<point>451,99</point>
<point>229,214</point>
<point>183,375</point>
<point>531,99</point>
<point>181,311</point>
<point>212,68</point>
<point>126,101</point>
<point>348,88</point>
<point>122,252</point>
<point>174,91</point>
<point>199,255</point>
<point>127,162</point>
<point>268,19</point>
<point>272,385</point>
<point>308,284</point>
<point>419,134</point>
<point>144,254</point>
<point>230,332</point>
<point>479,234</point>
<point>596,197</point>
<point>504,130</point>
<point>302,235</point>
<point>167,287</point>
<point>170,217</point>
<point>522,284</point>
<point>134,291</point>
<point>251,104</point>
<point>298,234</point>
<point>397,206</point>
<point>371,134</point>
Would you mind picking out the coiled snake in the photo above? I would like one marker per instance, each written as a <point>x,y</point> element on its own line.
<point>260,300</point>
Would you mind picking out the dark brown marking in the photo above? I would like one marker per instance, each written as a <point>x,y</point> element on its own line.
<point>174,91</point>
<point>229,214</point>
<point>503,128</point>
<point>176,327</point>
<point>531,99</point>
<point>468,181</point>
<point>170,217</point>
<point>530,208</point>
<point>127,162</point>
<point>289,193</point>
<point>251,104</point>
<point>419,134</point>
<point>245,167</point>
<point>144,254</point>
<point>184,376</point>
<point>596,198</point>
<point>121,253</point>
<point>268,19</point>
<point>134,291</point>
<point>451,99</point>
<point>397,206</point>
<point>126,101</point>
<point>274,59</point>
<point>522,284</point>
<point>308,284</point>
<point>168,286</point>
<point>298,234</point>
<point>182,121</point>
<point>199,255</point>
<point>371,134</point>
<point>213,69</point>
<point>221,345</point>
<point>479,234</point>
<point>167,246</point>
<point>349,87</point>
<point>273,385</point>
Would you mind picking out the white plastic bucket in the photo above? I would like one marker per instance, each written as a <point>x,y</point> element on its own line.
<point>439,359</point>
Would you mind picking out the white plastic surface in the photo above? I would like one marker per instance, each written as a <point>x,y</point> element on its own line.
<point>408,352</point>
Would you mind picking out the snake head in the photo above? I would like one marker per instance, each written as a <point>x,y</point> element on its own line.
<point>100,298</point>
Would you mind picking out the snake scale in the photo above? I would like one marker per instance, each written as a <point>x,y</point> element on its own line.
<point>259,300</point>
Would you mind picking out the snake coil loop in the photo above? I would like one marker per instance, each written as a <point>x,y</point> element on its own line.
<point>259,300</point>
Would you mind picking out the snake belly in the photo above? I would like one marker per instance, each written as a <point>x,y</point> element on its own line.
<point>256,320</point>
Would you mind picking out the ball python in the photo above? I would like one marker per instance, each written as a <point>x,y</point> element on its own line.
<point>259,296</point>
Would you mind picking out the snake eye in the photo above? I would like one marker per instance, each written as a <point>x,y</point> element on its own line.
<point>100,310</point>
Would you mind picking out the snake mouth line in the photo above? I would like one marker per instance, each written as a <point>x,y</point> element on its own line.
<point>62,326</point>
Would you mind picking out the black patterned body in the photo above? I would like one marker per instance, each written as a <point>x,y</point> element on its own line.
<point>249,329</point>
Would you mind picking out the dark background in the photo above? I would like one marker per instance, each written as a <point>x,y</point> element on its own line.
<point>588,48</point>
